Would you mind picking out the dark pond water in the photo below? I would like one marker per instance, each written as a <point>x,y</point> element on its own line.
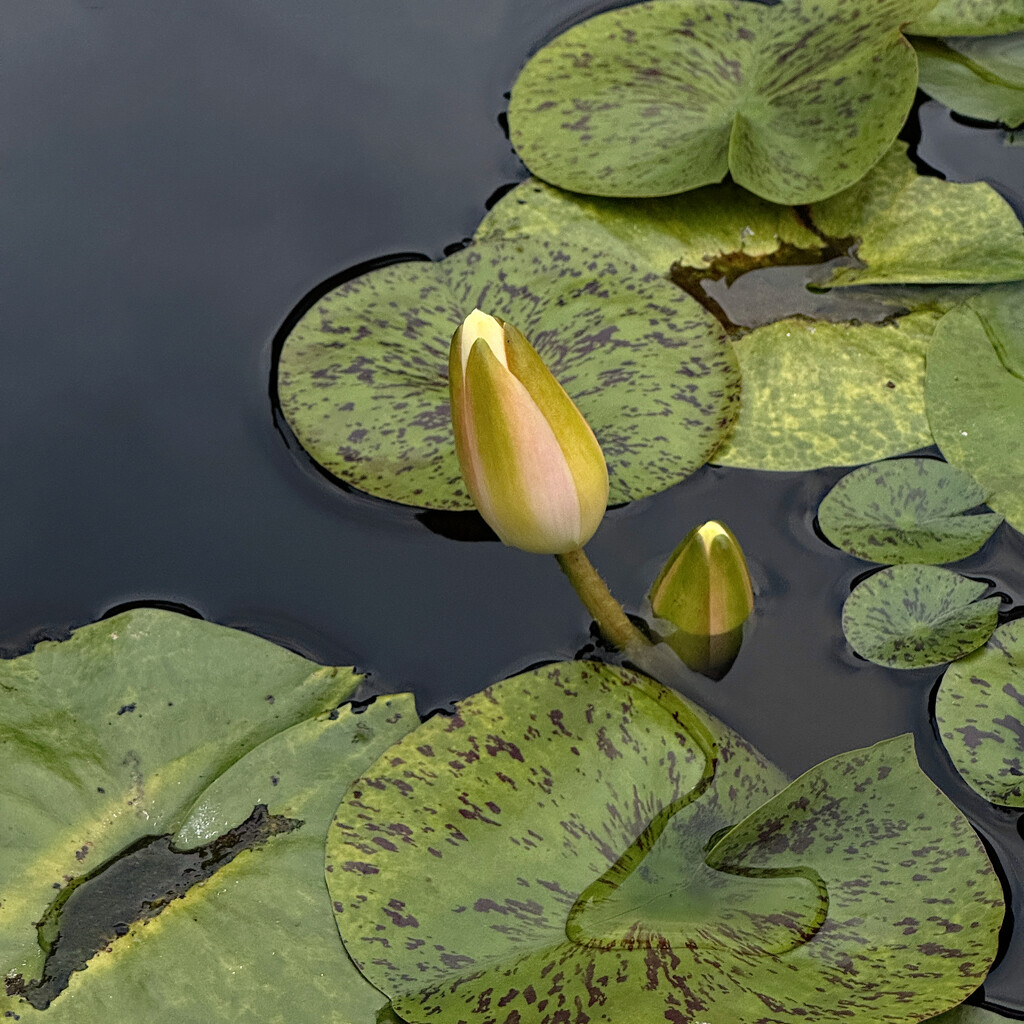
<point>177,178</point>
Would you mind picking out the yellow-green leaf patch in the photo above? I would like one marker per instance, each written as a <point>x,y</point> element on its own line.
<point>975,394</point>
<point>915,229</point>
<point>579,842</point>
<point>906,510</point>
<point>980,713</point>
<point>913,616</point>
<point>970,18</point>
<point>821,394</point>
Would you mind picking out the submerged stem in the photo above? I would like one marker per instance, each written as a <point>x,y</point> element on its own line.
<point>594,593</point>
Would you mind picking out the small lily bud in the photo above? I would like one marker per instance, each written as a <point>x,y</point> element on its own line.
<point>529,458</point>
<point>704,591</point>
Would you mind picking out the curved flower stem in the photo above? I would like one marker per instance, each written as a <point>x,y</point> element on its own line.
<point>594,593</point>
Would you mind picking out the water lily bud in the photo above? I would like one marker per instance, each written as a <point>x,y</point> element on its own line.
<point>704,591</point>
<point>529,458</point>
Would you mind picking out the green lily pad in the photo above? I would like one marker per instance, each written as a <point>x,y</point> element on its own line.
<point>914,616</point>
<point>980,712</point>
<point>567,846</point>
<point>906,510</point>
<point>980,77</point>
<point>969,18</point>
<point>713,227</point>
<point>151,724</point>
<point>889,216</point>
<point>974,394</point>
<point>821,394</point>
<point>363,377</point>
<point>914,229</point>
<point>797,101</point>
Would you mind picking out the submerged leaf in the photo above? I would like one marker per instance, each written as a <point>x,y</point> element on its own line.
<point>980,712</point>
<point>913,616</point>
<point>363,377</point>
<point>975,395</point>
<point>568,841</point>
<point>821,394</point>
<point>797,101</point>
<point>149,723</point>
<point>906,510</point>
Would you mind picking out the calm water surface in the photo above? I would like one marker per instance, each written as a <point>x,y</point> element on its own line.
<point>178,177</point>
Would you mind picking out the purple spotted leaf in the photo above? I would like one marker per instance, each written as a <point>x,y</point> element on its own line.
<point>913,616</point>
<point>363,376</point>
<point>580,843</point>
<point>980,713</point>
<point>906,510</point>
<point>797,100</point>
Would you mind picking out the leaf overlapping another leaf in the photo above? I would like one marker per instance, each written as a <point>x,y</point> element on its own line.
<point>152,723</point>
<point>797,101</point>
<point>568,844</point>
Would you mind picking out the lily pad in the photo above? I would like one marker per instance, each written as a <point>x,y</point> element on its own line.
<point>914,616</point>
<point>906,510</point>
<point>889,217</point>
<point>980,77</point>
<point>821,394</point>
<point>969,18</point>
<point>980,712</point>
<point>149,724</point>
<point>915,229</point>
<point>710,228</point>
<point>567,846</point>
<point>975,395</point>
<point>797,101</point>
<point>363,377</point>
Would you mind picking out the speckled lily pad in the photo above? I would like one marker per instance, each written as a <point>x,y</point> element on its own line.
<point>797,101</point>
<point>970,18</point>
<point>578,855</point>
<point>975,394</point>
<point>981,77</point>
<point>363,377</point>
<point>906,510</point>
<point>153,724</point>
<point>913,616</point>
<point>822,394</point>
<point>980,711</point>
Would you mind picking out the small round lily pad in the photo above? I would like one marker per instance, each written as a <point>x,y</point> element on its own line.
<point>906,510</point>
<point>914,616</point>
<point>363,376</point>
<point>980,711</point>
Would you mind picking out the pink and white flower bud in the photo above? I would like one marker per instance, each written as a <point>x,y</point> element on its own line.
<point>530,460</point>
